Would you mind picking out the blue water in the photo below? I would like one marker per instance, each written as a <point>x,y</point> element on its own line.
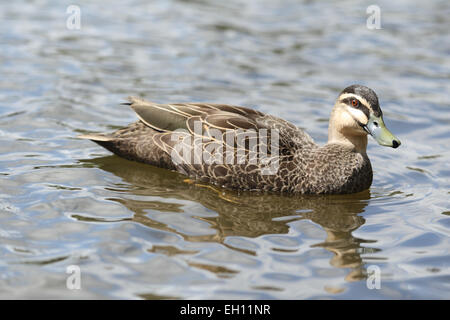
<point>136,231</point>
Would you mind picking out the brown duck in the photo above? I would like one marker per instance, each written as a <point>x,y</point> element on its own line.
<point>240,148</point>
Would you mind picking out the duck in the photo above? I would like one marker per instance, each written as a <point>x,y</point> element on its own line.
<point>236,147</point>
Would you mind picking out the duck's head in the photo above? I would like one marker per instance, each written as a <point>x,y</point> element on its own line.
<point>356,114</point>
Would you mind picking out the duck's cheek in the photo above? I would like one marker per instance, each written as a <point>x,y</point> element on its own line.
<point>347,124</point>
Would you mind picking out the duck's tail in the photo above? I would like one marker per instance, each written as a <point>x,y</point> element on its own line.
<point>107,142</point>
<point>95,137</point>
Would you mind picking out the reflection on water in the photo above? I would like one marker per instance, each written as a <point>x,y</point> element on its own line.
<point>244,214</point>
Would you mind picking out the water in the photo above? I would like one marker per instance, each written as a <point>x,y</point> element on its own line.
<point>140,232</point>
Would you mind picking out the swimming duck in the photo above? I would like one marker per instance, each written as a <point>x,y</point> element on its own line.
<point>240,148</point>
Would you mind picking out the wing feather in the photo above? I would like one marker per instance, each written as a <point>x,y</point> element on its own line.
<point>209,124</point>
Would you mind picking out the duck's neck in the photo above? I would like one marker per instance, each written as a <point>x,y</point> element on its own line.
<point>338,134</point>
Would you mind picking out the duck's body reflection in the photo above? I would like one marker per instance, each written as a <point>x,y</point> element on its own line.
<point>243,214</point>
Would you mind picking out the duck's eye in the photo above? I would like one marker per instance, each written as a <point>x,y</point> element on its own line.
<point>355,102</point>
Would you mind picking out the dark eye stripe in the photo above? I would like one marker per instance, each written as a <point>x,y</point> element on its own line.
<point>360,106</point>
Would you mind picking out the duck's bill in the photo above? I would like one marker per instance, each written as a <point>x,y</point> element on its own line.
<point>377,129</point>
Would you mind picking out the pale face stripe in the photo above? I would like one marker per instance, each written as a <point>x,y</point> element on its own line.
<point>358,115</point>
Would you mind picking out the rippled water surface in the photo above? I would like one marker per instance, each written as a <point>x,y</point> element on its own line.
<point>137,231</point>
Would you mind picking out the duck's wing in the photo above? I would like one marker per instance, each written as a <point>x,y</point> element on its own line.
<point>186,126</point>
<point>229,145</point>
<point>210,117</point>
<point>170,117</point>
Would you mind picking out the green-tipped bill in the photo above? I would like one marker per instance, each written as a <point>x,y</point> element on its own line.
<point>377,129</point>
